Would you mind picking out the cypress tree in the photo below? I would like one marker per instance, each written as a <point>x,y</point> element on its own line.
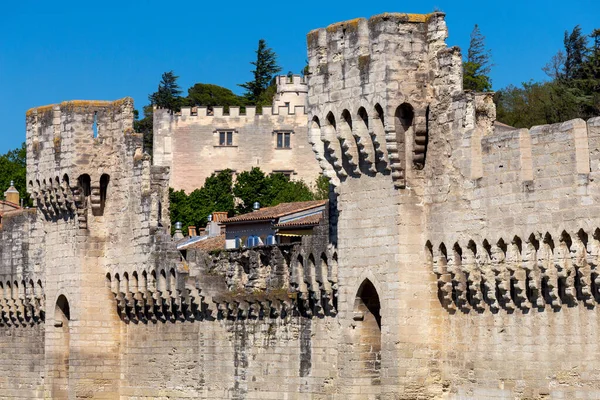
<point>265,68</point>
<point>477,67</point>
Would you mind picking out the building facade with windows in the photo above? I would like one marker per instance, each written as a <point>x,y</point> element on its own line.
<point>200,141</point>
<point>281,224</point>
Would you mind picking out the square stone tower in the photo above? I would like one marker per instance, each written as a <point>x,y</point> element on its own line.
<point>96,208</point>
<point>374,86</point>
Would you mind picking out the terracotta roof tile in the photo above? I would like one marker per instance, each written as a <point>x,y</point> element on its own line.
<point>309,220</point>
<point>213,243</point>
<point>268,213</point>
<point>10,204</point>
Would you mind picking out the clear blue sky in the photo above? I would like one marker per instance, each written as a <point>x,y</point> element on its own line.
<point>67,50</point>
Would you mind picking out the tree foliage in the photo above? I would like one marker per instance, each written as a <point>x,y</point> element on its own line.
<point>572,92</point>
<point>168,94</point>
<point>268,190</point>
<point>322,186</point>
<point>265,69</point>
<point>206,94</point>
<point>219,193</point>
<point>145,126</point>
<point>194,209</point>
<point>477,67</point>
<point>13,167</point>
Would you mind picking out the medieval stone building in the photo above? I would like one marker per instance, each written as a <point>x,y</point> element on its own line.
<point>456,260</point>
<point>200,141</point>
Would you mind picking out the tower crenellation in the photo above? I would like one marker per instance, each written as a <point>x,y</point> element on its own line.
<point>452,245</point>
<point>273,138</point>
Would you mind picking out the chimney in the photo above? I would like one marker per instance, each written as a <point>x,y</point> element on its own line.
<point>219,216</point>
<point>192,231</point>
<point>178,234</point>
<point>256,206</point>
<point>12,194</point>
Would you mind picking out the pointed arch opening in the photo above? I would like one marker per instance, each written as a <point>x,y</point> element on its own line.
<point>367,318</point>
<point>84,182</point>
<point>104,181</point>
<point>61,354</point>
<point>404,117</point>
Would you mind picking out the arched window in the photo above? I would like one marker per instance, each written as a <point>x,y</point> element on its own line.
<point>270,240</point>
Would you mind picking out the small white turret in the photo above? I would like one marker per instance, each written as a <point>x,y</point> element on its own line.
<point>292,91</point>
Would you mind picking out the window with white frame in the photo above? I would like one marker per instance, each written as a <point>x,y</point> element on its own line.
<point>284,140</point>
<point>225,138</point>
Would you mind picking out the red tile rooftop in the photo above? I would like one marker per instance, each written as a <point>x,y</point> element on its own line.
<point>280,210</point>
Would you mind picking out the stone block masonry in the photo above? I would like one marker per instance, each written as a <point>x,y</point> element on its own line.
<point>200,141</point>
<point>456,261</point>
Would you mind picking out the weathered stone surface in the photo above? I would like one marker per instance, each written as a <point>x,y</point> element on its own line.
<point>188,142</point>
<point>457,261</point>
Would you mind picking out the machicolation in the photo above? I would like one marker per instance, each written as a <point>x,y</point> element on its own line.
<point>456,258</point>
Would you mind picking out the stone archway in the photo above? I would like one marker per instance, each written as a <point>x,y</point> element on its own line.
<point>61,349</point>
<point>367,320</point>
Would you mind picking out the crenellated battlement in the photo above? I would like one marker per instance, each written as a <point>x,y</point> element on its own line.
<point>543,152</point>
<point>370,87</point>
<point>73,132</point>
<point>291,83</point>
<point>211,139</point>
<point>239,112</point>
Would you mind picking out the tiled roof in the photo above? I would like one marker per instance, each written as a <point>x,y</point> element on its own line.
<point>280,210</point>
<point>213,243</point>
<point>10,204</point>
<point>309,220</point>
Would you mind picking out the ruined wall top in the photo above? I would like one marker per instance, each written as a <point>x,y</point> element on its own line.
<point>72,136</point>
<point>371,84</point>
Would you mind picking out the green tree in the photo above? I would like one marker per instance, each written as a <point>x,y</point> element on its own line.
<point>145,126</point>
<point>269,190</point>
<point>573,92</point>
<point>575,55</point>
<point>13,167</point>
<point>591,71</point>
<point>194,209</point>
<point>265,69</point>
<point>477,67</point>
<point>206,94</point>
<point>251,187</point>
<point>280,189</point>
<point>217,194</point>
<point>322,188</point>
<point>536,103</point>
<point>168,94</point>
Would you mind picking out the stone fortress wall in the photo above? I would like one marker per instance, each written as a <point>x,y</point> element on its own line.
<point>458,261</point>
<point>371,88</point>
<point>188,142</point>
<point>505,220</point>
<point>513,239</point>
